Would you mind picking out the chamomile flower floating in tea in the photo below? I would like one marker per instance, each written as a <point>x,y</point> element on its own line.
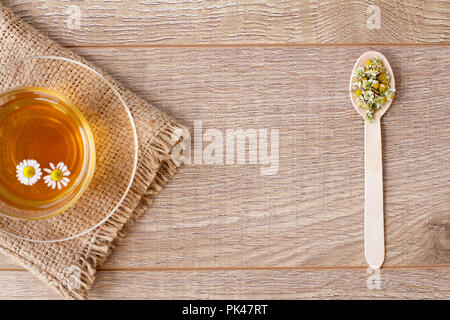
<point>371,87</point>
<point>28,172</point>
<point>58,176</point>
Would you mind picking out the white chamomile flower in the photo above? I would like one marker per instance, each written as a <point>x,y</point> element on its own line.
<point>58,176</point>
<point>28,172</point>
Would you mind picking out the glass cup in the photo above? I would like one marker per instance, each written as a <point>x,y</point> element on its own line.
<point>68,148</point>
<point>47,153</point>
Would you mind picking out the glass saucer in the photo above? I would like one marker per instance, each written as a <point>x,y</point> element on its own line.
<point>114,140</point>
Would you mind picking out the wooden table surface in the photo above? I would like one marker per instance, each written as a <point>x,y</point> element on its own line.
<point>226,231</point>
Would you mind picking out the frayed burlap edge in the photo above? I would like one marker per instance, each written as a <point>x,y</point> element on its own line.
<point>155,168</point>
<point>97,251</point>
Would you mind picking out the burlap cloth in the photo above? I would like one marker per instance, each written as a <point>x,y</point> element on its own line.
<point>55,263</point>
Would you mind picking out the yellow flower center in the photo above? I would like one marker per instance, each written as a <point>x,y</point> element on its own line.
<point>28,172</point>
<point>56,175</point>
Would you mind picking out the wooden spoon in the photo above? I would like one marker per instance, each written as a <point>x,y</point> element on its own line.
<point>373,167</point>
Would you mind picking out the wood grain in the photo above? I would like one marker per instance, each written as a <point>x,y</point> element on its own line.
<point>236,22</point>
<point>225,231</point>
<point>403,283</point>
<point>311,212</point>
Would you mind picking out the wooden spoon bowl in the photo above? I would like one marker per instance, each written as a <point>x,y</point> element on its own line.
<point>361,63</point>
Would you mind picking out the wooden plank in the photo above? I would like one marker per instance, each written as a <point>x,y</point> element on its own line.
<point>403,283</point>
<point>23,285</point>
<point>235,22</point>
<point>311,212</point>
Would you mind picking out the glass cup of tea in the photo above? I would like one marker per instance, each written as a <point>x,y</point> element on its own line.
<point>67,138</point>
<point>68,148</point>
<point>47,153</point>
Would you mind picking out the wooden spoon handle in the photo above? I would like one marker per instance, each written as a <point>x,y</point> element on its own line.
<point>373,195</point>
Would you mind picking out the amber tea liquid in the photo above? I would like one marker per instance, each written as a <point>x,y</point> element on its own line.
<point>45,146</point>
